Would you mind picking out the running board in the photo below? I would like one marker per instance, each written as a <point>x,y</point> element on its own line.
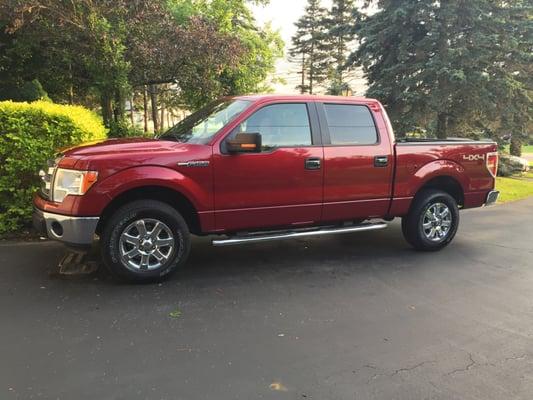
<point>291,235</point>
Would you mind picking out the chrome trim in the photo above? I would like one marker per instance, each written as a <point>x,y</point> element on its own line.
<point>492,197</point>
<point>47,176</point>
<point>291,235</point>
<point>445,143</point>
<point>76,230</point>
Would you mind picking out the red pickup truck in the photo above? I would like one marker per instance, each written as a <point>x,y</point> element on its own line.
<point>256,168</point>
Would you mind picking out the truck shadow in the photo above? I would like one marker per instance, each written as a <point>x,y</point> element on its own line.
<point>336,253</point>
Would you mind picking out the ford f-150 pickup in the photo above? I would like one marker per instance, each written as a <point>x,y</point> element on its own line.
<point>257,168</point>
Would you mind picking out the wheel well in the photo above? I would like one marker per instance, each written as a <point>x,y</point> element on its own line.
<point>173,198</point>
<point>449,185</point>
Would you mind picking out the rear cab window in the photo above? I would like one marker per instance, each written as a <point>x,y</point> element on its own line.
<point>350,124</point>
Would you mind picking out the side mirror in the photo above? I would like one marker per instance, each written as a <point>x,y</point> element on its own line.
<point>244,143</point>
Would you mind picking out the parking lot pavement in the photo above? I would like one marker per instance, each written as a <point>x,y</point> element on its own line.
<point>358,316</point>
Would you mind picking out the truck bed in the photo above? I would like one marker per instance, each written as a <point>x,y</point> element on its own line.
<point>460,160</point>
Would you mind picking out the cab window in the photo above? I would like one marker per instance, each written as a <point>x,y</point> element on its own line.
<point>350,124</point>
<point>280,125</point>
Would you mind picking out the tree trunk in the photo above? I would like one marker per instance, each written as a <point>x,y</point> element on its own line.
<point>302,87</point>
<point>132,117</point>
<point>162,119</point>
<point>442,126</point>
<point>311,68</point>
<point>153,99</point>
<point>118,110</point>
<point>516,146</point>
<point>70,86</point>
<point>107,109</point>
<point>145,105</point>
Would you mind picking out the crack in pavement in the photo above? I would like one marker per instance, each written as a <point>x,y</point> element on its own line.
<point>473,363</point>
<point>395,372</point>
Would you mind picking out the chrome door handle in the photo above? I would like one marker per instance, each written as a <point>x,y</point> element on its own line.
<point>313,163</point>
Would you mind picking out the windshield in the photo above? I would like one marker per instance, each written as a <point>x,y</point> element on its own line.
<point>201,126</point>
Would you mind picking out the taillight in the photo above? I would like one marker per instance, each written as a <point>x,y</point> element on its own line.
<point>492,163</point>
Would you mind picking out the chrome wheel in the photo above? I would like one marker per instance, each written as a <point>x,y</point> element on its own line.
<point>437,222</point>
<point>146,244</point>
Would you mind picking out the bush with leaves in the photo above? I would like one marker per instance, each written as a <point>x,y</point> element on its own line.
<point>123,128</point>
<point>30,134</point>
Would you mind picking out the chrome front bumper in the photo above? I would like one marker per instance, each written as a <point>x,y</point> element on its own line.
<point>78,231</point>
<point>492,197</point>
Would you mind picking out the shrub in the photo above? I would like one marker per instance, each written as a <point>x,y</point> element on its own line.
<point>30,134</point>
<point>122,129</point>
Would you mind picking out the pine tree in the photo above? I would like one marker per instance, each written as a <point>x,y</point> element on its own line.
<point>308,47</point>
<point>340,36</point>
<point>456,67</point>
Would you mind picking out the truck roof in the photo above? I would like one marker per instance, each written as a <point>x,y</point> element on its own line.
<point>305,97</point>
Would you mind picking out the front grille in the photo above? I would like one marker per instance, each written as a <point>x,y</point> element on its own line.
<point>47,175</point>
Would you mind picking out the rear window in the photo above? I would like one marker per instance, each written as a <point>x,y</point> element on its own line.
<point>350,124</point>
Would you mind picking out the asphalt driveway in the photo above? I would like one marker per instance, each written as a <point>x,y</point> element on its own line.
<point>356,316</point>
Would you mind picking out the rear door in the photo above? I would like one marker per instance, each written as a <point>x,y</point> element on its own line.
<point>281,185</point>
<point>358,161</point>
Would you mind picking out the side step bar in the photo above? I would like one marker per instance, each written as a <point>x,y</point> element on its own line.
<point>232,240</point>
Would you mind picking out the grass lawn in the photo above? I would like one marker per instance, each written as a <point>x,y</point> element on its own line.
<point>525,149</point>
<point>515,188</point>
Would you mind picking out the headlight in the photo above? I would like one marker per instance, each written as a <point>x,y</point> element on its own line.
<point>69,181</point>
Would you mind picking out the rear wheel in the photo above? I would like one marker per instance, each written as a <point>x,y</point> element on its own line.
<point>145,241</point>
<point>432,221</point>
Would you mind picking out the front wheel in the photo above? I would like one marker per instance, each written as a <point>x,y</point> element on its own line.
<point>145,241</point>
<point>432,221</point>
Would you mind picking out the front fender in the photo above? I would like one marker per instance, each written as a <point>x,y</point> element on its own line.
<point>102,193</point>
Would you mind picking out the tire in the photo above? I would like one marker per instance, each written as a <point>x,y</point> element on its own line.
<point>147,251</point>
<point>428,226</point>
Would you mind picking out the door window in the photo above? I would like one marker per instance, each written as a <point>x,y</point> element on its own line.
<point>280,125</point>
<point>350,124</point>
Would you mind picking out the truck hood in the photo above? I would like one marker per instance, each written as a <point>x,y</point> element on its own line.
<point>112,147</point>
<point>113,155</point>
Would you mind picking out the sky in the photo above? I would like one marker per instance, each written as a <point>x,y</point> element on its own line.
<point>283,14</point>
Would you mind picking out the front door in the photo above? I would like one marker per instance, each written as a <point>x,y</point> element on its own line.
<point>282,185</point>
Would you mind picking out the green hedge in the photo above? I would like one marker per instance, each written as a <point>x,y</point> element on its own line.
<point>30,134</point>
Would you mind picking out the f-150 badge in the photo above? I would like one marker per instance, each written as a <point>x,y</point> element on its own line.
<point>194,163</point>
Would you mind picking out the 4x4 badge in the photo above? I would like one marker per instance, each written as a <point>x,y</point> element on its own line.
<point>195,163</point>
<point>473,157</point>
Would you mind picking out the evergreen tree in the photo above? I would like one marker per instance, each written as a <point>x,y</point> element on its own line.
<point>309,47</point>
<point>454,67</point>
<point>340,36</point>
